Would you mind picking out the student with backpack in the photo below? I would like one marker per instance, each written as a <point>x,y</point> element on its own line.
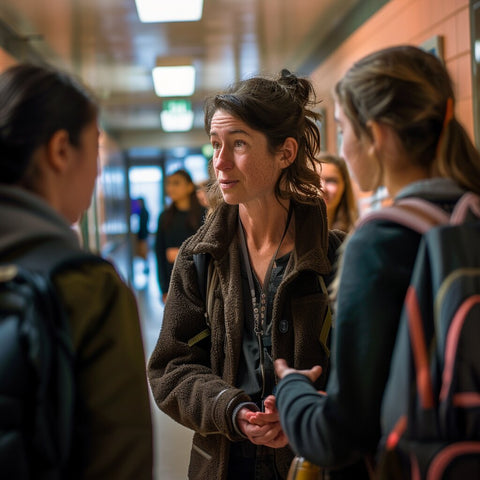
<point>48,166</point>
<point>395,109</point>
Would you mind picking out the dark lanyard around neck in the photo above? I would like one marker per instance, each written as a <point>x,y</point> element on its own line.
<point>260,308</point>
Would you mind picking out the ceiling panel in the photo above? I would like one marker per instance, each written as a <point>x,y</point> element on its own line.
<point>104,42</point>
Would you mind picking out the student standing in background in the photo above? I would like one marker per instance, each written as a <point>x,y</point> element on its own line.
<point>202,189</point>
<point>342,210</point>
<point>141,247</point>
<point>179,221</point>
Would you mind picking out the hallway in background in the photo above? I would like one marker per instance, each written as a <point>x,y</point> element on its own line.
<point>172,441</point>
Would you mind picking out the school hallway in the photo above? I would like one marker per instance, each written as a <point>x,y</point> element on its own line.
<point>171,440</point>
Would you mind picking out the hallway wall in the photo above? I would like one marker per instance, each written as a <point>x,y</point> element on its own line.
<point>6,60</point>
<point>405,21</point>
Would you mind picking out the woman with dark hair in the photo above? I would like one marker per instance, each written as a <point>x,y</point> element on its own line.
<point>178,222</point>
<point>48,167</point>
<point>267,243</point>
<point>395,108</point>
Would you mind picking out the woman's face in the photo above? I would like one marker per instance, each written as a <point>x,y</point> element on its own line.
<point>244,167</point>
<point>82,174</point>
<point>178,188</point>
<point>333,185</point>
<point>355,151</point>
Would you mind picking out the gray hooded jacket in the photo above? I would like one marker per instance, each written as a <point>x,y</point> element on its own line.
<point>114,413</point>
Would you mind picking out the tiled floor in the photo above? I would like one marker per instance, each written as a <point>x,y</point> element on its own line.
<point>171,440</point>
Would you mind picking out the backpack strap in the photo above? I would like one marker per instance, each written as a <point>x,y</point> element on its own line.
<point>201,261</point>
<point>335,240</point>
<point>421,215</point>
<point>327,320</point>
<point>469,202</point>
<point>414,213</point>
<point>207,278</point>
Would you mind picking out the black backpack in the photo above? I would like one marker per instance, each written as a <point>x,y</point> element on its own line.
<point>431,406</point>
<point>37,386</point>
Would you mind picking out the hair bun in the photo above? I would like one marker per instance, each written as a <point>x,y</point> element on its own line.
<point>299,88</point>
<point>288,78</point>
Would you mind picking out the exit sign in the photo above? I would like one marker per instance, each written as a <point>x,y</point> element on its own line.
<point>177,106</point>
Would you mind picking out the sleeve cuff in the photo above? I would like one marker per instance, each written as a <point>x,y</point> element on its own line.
<point>251,406</point>
<point>291,377</point>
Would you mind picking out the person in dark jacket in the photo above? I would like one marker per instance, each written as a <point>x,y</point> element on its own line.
<point>48,166</point>
<point>141,245</point>
<point>395,108</point>
<point>180,220</point>
<point>267,240</point>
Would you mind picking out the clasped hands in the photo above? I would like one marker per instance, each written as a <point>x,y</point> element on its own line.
<point>264,428</point>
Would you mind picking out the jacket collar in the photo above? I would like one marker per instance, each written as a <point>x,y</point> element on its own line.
<point>27,218</point>
<point>432,189</point>
<point>311,235</point>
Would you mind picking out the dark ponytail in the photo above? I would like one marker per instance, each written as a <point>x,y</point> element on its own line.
<point>36,102</point>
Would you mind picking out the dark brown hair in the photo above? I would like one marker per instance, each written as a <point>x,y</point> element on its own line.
<point>35,102</point>
<point>279,108</point>
<point>194,217</point>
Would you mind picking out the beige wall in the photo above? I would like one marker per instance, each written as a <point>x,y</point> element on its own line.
<point>413,22</point>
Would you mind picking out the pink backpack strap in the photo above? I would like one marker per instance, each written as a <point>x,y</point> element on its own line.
<point>415,213</point>
<point>468,202</point>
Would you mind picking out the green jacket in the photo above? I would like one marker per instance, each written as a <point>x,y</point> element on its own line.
<point>196,385</point>
<point>113,432</point>
<point>111,365</point>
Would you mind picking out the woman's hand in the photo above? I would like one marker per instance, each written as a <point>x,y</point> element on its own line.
<point>282,370</point>
<point>262,428</point>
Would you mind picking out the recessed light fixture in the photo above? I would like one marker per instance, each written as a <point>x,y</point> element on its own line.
<point>174,81</point>
<point>169,10</point>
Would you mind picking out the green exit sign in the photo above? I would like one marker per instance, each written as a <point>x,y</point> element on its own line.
<point>177,106</point>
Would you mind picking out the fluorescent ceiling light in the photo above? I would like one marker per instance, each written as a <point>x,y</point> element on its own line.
<point>169,10</point>
<point>174,81</point>
<point>176,121</point>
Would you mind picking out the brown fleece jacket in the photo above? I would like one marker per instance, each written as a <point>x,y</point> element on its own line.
<point>196,385</point>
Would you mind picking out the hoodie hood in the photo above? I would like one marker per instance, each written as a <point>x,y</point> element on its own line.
<point>25,219</point>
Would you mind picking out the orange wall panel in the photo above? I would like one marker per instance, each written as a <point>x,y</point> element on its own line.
<point>402,22</point>
<point>6,60</point>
